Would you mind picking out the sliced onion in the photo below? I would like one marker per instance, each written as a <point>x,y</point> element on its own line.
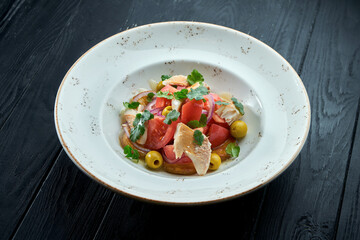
<point>137,146</point>
<point>212,107</point>
<point>157,111</point>
<point>142,94</point>
<point>151,105</point>
<point>204,112</point>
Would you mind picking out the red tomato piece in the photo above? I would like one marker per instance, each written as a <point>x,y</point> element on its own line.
<point>218,135</point>
<point>169,152</point>
<point>169,88</point>
<point>218,119</point>
<point>162,102</point>
<point>159,133</point>
<point>222,122</point>
<point>191,110</point>
<point>205,129</point>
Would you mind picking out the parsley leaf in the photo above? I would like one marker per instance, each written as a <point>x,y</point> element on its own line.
<point>164,95</point>
<point>196,124</point>
<point>221,103</point>
<point>232,149</point>
<point>131,153</point>
<point>150,96</point>
<point>198,137</point>
<point>238,105</point>
<point>195,77</point>
<point>171,117</point>
<point>132,105</point>
<point>164,77</point>
<point>181,94</point>
<point>198,93</point>
<point>139,125</point>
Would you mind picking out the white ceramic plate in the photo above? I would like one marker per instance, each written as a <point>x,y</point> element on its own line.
<point>90,97</point>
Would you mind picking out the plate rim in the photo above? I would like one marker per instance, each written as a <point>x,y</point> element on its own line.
<point>83,169</point>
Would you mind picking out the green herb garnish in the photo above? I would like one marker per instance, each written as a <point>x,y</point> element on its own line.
<point>164,77</point>
<point>166,95</point>
<point>196,124</point>
<point>198,137</point>
<point>132,105</point>
<point>131,153</point>
<point>150,96</point>
<point>238,105</point>
<point>181,94</point>
<point>221,103</point>
<point>195,77</point>
<point>233,149</point>
<point>171,117</point>
<point>139,125</point>
<point>198,93</point>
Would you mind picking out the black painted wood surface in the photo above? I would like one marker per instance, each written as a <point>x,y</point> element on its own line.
<point>44,196</point>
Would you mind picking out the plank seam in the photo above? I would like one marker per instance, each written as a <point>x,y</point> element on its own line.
<point>36,193</point>
<point>253,230</point>
<point>317,9</point>
<point>103,217</point>
<point>338,214</point>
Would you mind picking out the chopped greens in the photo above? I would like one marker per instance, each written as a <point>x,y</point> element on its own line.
<point>233,149</point>
<point>198,93</point>
<point>221,103</point>
<point>196,124</point>
<point>166,95</point>
<point>171,117</point>
<point>195,77</point>
<point>139,125</point>
<point>132,105</point>
<point>164,77</point>
<point>150,96</point>
<point>198,137</point>
<point>131,153</point>
<point>181,94</point>
<point>238,105</point>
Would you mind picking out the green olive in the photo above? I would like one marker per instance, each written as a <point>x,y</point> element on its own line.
<point>166,110</point>
<point>153,159</point>
<point>238,129</point>
<point>159,86</point>
<point>215,161</point>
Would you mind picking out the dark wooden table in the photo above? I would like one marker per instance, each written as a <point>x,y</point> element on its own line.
<point>43,195</point>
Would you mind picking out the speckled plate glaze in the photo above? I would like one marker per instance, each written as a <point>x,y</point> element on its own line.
<point>90,97</point>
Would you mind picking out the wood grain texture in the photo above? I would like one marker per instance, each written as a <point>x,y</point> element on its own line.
<point>44,196</point>
<point>306,198</point>
<point>31,77</point>
<point>349,217</point>
<point>67,204</point>
<point>29,131</point>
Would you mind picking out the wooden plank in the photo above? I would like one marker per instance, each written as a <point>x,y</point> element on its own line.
<point>304,201</point>
<point>288,32</point>
<point>66,206</point>
<point>349,217</point>
<point>28,141</point>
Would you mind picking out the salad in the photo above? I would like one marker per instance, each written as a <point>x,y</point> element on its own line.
<point>181,126</point>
